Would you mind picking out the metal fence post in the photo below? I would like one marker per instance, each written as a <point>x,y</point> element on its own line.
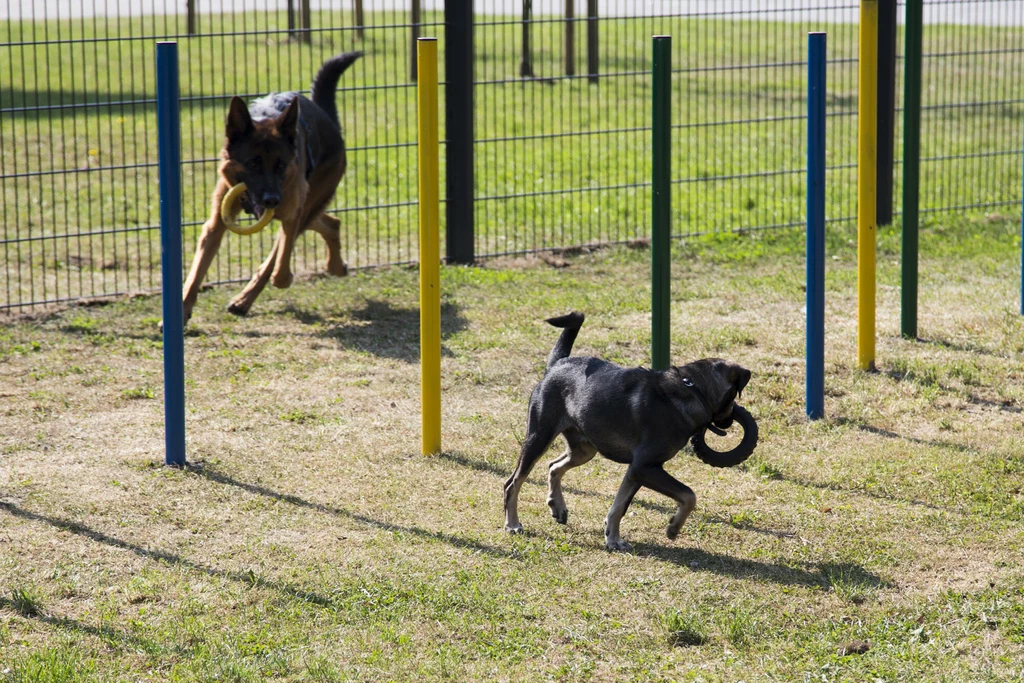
<point>190,17</point>
<point>570,37</point>
<point>525,61</point>
<point>815,352</point>
<point>169,144</point>
<point>460,190</point>
<point>359,18</point>
<point>911,166</point>
<point>305,21</point>
<point>886,109</point>
<point>414,21</point>
<point>592,43</point>
<point>661,228</point>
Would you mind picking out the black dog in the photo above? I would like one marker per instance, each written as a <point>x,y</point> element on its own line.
<point>638,417</point>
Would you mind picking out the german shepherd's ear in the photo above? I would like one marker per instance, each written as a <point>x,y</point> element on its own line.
<point>239,123</point>
<point>288,121</point>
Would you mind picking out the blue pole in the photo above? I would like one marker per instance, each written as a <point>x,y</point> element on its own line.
<point>816,225</point>
<point>169,138</point>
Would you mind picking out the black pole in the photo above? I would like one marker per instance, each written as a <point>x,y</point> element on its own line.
<point>886,109</point>
<point>525,62</point>
<point>305,20</point>
<point>570,37</point>
<point>359,19</point>
<point>592,56</point>
<point>458,98</point>
<point>414,20</point>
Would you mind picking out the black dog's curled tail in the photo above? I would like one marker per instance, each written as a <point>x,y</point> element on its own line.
<point>570,324</point>
<point>326,82</point>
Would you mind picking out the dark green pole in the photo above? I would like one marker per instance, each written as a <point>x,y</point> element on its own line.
<point>661,230</point>
<point>911,166</point>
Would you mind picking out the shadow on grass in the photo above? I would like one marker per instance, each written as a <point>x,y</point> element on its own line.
<point>718,519</point>
<point>109,635</point>
<point>967,348</point>
<point>830,486</point>
<point>889,434</point>
<point>490,468</point>
<point>247,578</point>
<point>381,329</point>
<point>455,541</point>
<point>998,405</point>
<point>908,376</point>
<point>825,575</point>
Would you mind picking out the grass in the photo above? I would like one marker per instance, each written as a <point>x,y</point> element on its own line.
<point>25,601</point>
<point>684,629</point>
<point>738,142</point>
<point>312,542</point>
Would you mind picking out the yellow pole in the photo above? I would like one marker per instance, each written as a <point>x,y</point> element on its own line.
<point>867,158</point>
<point>430,276</point>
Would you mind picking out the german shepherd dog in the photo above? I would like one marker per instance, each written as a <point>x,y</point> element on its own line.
<point>289,152</point>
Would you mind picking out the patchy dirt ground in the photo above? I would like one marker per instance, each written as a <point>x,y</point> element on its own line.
<point>313,542</point>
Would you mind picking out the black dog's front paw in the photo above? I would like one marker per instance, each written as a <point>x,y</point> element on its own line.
<point>560,516</point>
<point>617,545</point>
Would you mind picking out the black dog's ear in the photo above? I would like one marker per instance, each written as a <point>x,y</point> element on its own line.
<point>288,121</point>
<point>738,377</point>
<point>734,374</point>
<point>239,123</point>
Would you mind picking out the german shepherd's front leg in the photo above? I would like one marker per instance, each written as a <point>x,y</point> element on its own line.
<point>282,276</point>
<point>206,249</point>
<point>241,304</point>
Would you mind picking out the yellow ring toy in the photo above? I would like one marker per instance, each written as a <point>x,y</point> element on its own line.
<point>230,207</point>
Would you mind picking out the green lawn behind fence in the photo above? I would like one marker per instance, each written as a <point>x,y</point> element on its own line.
<point>559,162</point>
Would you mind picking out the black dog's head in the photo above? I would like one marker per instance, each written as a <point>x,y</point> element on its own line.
<point>721,383</point>
<point>260,154</point>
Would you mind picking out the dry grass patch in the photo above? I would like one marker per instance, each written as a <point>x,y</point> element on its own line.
<point>314,543</point>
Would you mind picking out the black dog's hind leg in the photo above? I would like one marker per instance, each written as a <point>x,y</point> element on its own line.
<point>578,453</point>
<point>656,478</point>
<point>534,446</point>
<point>623,498</point>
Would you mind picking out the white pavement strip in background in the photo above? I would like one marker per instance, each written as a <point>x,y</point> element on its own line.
<point>983,12</point>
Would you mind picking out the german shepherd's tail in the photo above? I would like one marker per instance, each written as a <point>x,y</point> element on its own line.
<point>326,82</point>
<point>570,324</point>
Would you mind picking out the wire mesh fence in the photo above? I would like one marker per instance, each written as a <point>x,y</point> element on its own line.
<point>562,107</point>
<point>574,167</point>
<point>78,173</point>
